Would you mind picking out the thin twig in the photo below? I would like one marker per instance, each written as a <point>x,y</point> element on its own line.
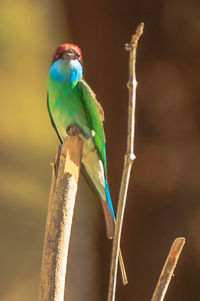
<point>59,219</point>
<point>128,161</point>
<point>168,269</point>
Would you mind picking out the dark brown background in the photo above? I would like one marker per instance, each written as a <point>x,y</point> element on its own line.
<point>163,200</point>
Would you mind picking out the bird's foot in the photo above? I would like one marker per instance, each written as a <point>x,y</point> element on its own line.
<point>74,130</point>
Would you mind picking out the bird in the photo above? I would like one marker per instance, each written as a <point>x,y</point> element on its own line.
<point>71,102</point>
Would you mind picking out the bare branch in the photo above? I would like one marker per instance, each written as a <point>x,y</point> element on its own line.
<point>168,269</point>
<point>128,161</point>
<point>59,219</point>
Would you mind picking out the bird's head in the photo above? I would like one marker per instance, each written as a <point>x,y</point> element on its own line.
<point>67,64</point>
<point>67,52</point>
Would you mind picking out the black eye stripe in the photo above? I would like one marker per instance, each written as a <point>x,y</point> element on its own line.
<point>72,51</point>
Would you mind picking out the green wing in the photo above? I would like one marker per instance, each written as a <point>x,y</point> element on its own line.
<point>95,116</point>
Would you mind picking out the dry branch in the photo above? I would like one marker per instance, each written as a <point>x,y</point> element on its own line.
<point>59,219</point>
<point>168,269</point>
<point>128,161</point>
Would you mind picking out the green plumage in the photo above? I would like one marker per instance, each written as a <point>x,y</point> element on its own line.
<point>95,117</point>
<point>72,102</point>
<point>77,106</point>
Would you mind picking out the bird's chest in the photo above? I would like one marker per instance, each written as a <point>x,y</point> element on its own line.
<point>66,109</point>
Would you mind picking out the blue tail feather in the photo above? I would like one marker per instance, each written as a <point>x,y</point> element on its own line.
<point>109,199</point>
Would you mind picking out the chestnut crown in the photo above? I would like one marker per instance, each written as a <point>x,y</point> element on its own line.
<point>67,51</point>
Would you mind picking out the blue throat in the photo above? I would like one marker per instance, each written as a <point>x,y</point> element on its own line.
<point>66,71</point>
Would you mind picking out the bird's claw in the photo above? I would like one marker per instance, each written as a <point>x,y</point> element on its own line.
<point>73,130</point>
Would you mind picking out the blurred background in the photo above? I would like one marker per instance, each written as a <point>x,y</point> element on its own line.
<point>164,194</point>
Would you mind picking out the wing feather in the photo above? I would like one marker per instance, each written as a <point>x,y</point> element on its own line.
<point>95,116</point>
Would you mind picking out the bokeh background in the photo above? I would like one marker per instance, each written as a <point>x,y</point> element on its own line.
<point>164,194</point>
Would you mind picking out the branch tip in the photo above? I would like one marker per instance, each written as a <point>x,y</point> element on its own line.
<point>135,38</point>
<point>168,269</point>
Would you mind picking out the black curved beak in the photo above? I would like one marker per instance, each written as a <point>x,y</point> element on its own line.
<point>69,56</point>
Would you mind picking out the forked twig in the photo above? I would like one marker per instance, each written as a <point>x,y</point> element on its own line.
<point>168,269</point>
<point>128,161</point>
